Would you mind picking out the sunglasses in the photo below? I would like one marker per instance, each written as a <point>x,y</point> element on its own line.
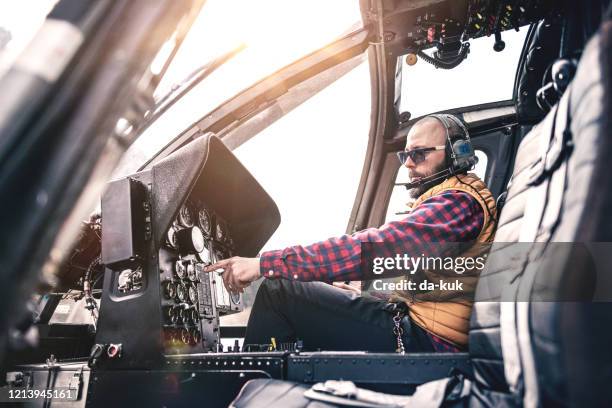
<point>417,155</point>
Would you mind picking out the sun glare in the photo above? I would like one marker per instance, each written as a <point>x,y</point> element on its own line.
<point>19,21</point>
<point>275,32</point>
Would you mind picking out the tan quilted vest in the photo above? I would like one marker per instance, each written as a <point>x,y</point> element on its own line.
<point>445,313</point>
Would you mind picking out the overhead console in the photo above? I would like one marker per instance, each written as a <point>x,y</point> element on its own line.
<point>409,27</point>
<point>160,228</point>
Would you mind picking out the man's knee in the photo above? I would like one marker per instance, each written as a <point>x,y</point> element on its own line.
<point>270,292</point>
<point>273,293</point>
<point>277,287</point>
<point>269,286</point>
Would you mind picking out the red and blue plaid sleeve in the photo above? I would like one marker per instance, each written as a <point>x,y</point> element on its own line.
<point>453,216</point>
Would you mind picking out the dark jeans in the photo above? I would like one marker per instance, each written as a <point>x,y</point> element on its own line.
<point>327,318</point>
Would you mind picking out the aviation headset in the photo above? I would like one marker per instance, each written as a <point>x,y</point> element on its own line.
<point>460,156</point>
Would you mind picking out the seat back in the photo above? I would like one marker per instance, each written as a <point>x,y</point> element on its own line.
<point>533,337</point>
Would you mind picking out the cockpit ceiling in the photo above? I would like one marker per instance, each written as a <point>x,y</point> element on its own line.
<point>410,26</point>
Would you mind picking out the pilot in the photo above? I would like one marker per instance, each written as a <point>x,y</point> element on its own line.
<point>295,300</point>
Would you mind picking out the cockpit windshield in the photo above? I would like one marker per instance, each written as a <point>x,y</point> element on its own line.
<point>274,33</point>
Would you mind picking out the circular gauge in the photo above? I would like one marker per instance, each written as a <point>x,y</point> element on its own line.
<point>235,298</point>
<point>171,238</point>
<point>180,269</point>
<point>219,255</point>
<point>185,217</point>
<point>192,293</point>
<point>220,231</point>
<point>183,315</point>
<point>196,337</point>
<point>204,221</point>
<point>185,336</point>
<point>168,314</point>
<point>175,314</point>
<point>190,240</point>
<point>169,289</point>
<point>191,272</point>
<point>169,335</point>
<point>195,316</point>
<point>204,256</point>
<point>181,292</point>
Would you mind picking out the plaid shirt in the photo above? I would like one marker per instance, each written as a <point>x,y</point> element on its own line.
<point>452,216</point>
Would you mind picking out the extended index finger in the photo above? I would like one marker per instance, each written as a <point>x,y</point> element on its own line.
<point>217,265</point>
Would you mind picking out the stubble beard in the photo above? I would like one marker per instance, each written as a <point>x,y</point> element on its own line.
<point>416,192</point>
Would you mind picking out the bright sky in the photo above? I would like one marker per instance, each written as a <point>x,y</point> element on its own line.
<point>20,19</point>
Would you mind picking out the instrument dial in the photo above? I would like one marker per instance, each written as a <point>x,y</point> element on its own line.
<point>191,272</point>
<point>180,269</point>
<point>192,294</point>
<point>185,336</point>
<point>181,292</point>
<point>195,316</point>
<point>219,255</point>
<point>168,314</point>
<point>170,335</point>
<point>175,314</point>
<point>171,238</point>
<point>196,336</point>
<point>185,217</point>
<point>204,221</point>
<point>169,289</point>
<point>220,231</point>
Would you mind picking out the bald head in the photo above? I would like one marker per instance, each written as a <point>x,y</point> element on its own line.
<point>426,132</point>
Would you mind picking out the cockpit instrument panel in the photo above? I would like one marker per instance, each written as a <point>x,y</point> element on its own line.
<point>192,299</point>
<point>160,228</point>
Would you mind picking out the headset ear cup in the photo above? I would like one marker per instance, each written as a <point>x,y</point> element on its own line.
<point>464,155</point>
<point>459,154</point>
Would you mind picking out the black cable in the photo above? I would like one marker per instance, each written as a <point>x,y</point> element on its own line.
<point>434,177</point>
<point>87,289</point>
<point>438,63</point>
